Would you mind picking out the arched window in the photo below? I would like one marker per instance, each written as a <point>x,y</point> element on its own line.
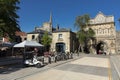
<point>96,31</point>
<point>25,38</point>
<point>99,30</point>
<point>102,31</point>
<point>107,31</point>
<point>60,36</point>
<point>33,37</point>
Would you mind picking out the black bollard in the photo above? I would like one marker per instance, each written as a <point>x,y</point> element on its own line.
<point>49,59</point>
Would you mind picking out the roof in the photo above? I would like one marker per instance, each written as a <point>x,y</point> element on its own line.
<point>62,30</point>
<point>28,44</point>
<point>100,18</point>
<point>36,32</point>
<point>19,33</point>
<point>39,32</point>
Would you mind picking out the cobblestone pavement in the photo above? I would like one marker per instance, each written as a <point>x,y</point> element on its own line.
<point>86,68</point>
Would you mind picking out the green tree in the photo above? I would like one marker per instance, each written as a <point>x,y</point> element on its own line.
<point>46,41</point>
<point>89,36</point>
<point>84,32</point>
<point>81,38</point>
<point>82,22</point>
<point>8,18</point>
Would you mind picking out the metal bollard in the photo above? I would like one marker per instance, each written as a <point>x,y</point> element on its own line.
<point>49,59</point>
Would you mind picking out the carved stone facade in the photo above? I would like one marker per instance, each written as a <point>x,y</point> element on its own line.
<point>118,42</point>
<point>105,32</point>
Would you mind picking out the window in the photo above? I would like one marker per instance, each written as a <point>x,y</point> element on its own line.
<point>25,38</point>
<point>33,36</point>
<point>96,31</point>
<point>60,36</point>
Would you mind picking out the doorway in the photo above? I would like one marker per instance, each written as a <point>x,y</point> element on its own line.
<point>100,47</point>
<point>60,47</point>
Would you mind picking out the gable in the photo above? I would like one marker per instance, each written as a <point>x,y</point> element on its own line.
<point>100,18</point>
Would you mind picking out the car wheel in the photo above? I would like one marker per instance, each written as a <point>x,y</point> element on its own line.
<point>38,65</point>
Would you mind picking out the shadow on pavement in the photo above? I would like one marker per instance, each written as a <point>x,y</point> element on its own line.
<point>11,68</point>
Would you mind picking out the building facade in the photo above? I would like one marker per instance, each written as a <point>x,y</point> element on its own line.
<point>118,42</point>
<point>20,36</point>
<point>64,40</point>
<point>39,31</point>
<point>105,33</point>
<point>35,35</point>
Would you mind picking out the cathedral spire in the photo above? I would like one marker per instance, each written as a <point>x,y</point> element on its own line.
<point>50,18</point>
<point>50,21</point>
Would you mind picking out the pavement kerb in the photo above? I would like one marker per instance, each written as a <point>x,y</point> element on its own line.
<point>63,62</point>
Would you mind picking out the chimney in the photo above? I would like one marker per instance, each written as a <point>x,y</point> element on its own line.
<point>35,29</point>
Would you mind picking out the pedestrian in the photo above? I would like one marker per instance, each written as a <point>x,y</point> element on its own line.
<point>35,53</point>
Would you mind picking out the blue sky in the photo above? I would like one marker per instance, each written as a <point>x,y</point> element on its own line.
<point>35,12</point>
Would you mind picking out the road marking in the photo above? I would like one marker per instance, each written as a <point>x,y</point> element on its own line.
<point>109,70</point>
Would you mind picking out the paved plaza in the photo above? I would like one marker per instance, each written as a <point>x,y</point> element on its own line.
<point>85,68</point>
<point>82,67</point>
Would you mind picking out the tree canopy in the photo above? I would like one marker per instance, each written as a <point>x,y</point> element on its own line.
<point>9,18</point>
<point>82,21</point>
<point>84,32</point>
<point>46,40</point>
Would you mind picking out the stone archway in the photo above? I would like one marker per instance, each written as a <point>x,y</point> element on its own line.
<point>101,47</point>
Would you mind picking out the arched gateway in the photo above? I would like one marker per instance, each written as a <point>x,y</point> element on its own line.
<point>101,47</point>
<point>105,33</point>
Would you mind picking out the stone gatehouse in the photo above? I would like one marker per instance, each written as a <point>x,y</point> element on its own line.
<point>105,32</point>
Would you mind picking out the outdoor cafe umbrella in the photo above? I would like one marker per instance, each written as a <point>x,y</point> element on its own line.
<point>26,43</point>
